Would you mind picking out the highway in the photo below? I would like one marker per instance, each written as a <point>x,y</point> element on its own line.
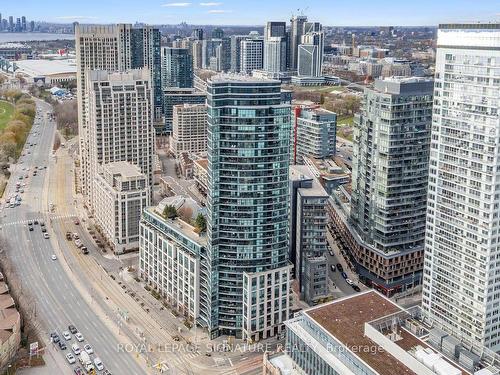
<point>59,298</point>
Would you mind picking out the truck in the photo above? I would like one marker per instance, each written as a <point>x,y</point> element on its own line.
<point>86,362</point>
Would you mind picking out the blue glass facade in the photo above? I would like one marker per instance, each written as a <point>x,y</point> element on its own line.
<point>248,195</point>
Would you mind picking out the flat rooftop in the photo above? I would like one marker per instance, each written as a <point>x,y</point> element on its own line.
<point>240,78</point>
<point>203,163</point>
<point>36,68</point>
<point>345,319</point>
<point>123,168</point>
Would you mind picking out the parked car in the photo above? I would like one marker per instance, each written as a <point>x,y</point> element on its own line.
<point>344,275</point>
<point>71,358</point>
<point>340,268</point>
<point>46,235</point>
<point>356,288</point>
<point>79,337</point>
<point>62,345</point>
<point>72,329</point>
<point>55,337</point>
<point>78,370</point>
<point>98,364</point>
<point>68,236</point>
<point>349,281</point>
<point>66,335</point>
<point>333,268</point>
<point>76,349</point>
<point>85,250</point>
<point>88,349</point>
<point>53,257</point>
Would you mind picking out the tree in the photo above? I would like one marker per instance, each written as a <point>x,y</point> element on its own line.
<point>169,212</point>
<point>201,223</point>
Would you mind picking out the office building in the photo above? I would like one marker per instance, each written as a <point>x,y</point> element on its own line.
<point>175,96</point>
<point>172,257</point>
<point>251,55</point>
<point>385,235</point>
<point>176,67</point>
<point>217,33</point>
<point>197,54</point>
<point>121,192</point>
<point>128,137</point>
<point>368,334</point>
<point>236,52</point>
<point>313,134</point>
<point>275,47</point>
<point>197,34</point>
<point>189,129</point>
<point>310,53</point>
<point>308,234</point>
<point>11,23</point>
<point>296,32</point>
<point>248,205</point>
<point>275,55</point>
<point>461,250</point>
<point>113,48</point>
<point>24,27</point>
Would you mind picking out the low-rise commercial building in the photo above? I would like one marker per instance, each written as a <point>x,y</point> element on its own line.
<point>10,325</point>
<point>121,193</point>
<point>200,174</point>
<point>47,72</point>
<point>369,334</point>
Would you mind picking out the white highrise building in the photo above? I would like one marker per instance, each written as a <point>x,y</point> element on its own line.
<point>275,54</point>
<point>120,123</point>
<point>251,55</point>
<point>113,48</point>
<point>462,245</point>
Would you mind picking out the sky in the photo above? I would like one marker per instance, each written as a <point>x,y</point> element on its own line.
<point>256,12</point>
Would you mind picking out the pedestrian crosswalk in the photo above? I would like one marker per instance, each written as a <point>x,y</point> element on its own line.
<point>38,218</point>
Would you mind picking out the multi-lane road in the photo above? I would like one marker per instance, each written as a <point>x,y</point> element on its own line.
<point>58,298</point>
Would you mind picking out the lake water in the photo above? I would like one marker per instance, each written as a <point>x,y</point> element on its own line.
<point>25,37</point>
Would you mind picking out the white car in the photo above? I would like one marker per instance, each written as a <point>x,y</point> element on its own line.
<point>71,358</point>
<point>76,349</point>
<point>98,364</point>
<point>79,337</point>
<point>66,335</point>
<point>349,281</point>
<point>46,235</point>
<point>53,257</point>
<point>88,349</point>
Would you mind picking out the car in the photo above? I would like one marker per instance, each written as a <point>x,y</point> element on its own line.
<point>79,337</point>
<point>356,288</point>
<point>88,349</point>
<point>71,358</point>
<point>98,364</point>
<point>62,345</point>
<point>66,335</point>
<point>106,372</point>
<point>53,257</point>
<point>349,281</point>
<point>30,227</point>
<point>54,337</point>
<point>46,236</point>
<point>333,268</point>
<point>72,329</point>
<point>76,222</point>
<point>76,236</point>
<point>22,190</point>
<point>35,222</point>
<point>30,222</point>
<point>76,349</point>
<point>344,275</point>
<point>44,229</point>
<point>85,250</point>
<point>340,268</point>
<point>78,370</point>
<point>331,253</point>
<point>42,223</point>
<point>68,236</point>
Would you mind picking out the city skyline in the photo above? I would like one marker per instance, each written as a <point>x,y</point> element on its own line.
<point>236,12</point>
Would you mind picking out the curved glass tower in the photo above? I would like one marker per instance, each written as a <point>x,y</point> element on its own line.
<point>248,203</point>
